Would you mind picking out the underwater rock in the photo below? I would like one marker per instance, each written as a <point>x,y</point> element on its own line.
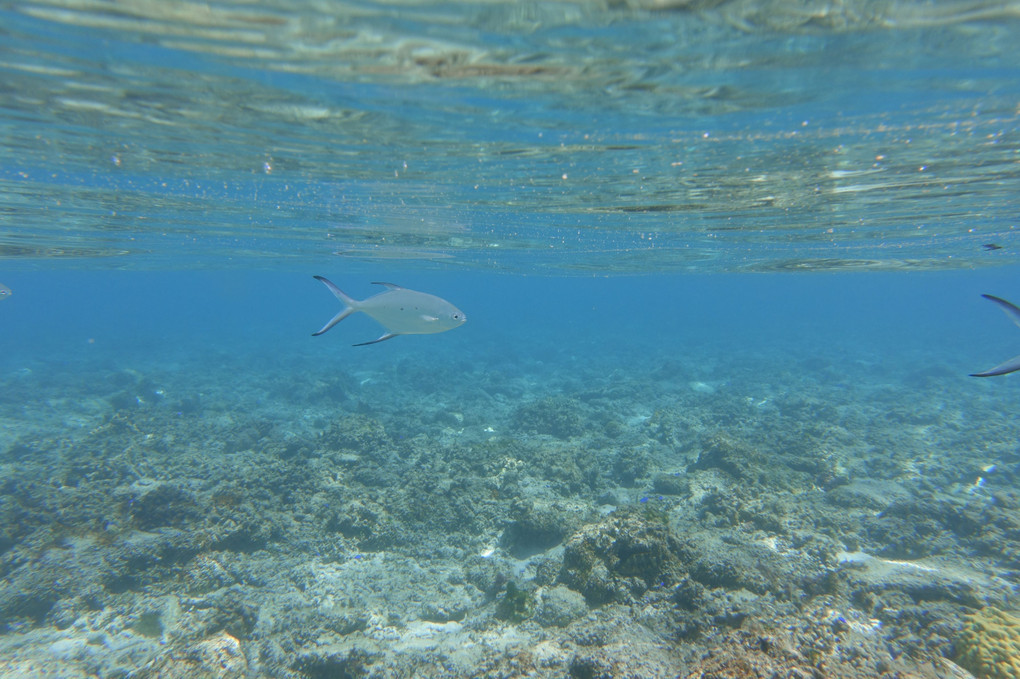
<point>93,653</point>
<point>516,605</point>
<point>989,644</point>
<point>677,427</point>
<point>910,588</point>
<point>446,611</point>
<point>535,529</point>
<point>999,523</point>
<point>559,606</point>
<point>671,484</point>
<point>557,416</point>
<point>232,610</point>
<point>570,468</point>
<point>734,566</point>
<point>487,575</point>
<point>365,522</point>
<point>21,452</point>
<point>916,527</point>
<point>621,558</point>
<point>591,666</point>
<point>872,494</point>
<point>356,433</point>
<point>356,519</point>
<point>152,504</point>
<point>221,656</point>
<point>631,464</point>
<point>332,386</point>
<point>331,663</point>
<point>731,455</point>
<point>216,657</point>
<point>29,596</point>
<point>79,575</point>
<point>246,436</point>
<point>778,469</point>
<point>241,534</point>
<point>267,540</point>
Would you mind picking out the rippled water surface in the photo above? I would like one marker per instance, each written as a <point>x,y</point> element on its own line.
<point>565,136</point>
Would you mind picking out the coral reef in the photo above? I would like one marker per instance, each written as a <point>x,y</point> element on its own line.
<point>516,604</point>
<point>621,558</point>
<point>558,416</point>
<point>989,644</point>
<point>572,521</point>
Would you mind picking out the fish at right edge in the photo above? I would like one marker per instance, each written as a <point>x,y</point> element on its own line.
<point>1013,364</point>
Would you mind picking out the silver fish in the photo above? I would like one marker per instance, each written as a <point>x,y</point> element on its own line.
<point>1013,364</point>
<point>399,310</point>
<point>5,292</point>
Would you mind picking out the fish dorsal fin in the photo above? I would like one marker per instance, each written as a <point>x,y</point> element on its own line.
<point>391,286</point>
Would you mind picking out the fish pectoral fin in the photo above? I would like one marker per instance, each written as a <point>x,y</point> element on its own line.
<point>389,335</point>
<point>429,319</point>
<point>1010,366</point>
<point>391,286</point>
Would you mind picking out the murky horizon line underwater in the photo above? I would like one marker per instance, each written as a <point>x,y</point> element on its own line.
<point>940,313</point>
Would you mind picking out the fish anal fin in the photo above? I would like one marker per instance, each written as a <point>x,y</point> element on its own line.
<point>389,335</point>
<point>1010,366</point>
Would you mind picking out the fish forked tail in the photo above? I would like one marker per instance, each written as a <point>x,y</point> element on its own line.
<point>350,305</point>
<point>1013,364</point>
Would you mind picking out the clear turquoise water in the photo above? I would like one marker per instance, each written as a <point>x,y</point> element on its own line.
<point>904,320</point>
<point>787,203</point>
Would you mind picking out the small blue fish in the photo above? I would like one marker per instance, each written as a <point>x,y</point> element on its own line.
<point>399,310</point>
<point>1013,364</point>
<point>5,292</point>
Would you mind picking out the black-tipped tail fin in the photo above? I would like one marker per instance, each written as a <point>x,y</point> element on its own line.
<point>1013,364</point>
<point>350,305</point>
<point>1011,309</point>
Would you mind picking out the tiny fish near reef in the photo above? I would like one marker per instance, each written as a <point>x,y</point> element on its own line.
<point>399,310</point>
<point>1013,364</point>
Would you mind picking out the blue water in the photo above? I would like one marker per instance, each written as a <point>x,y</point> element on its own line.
<point>722,266</point>
<point>898,319</point>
